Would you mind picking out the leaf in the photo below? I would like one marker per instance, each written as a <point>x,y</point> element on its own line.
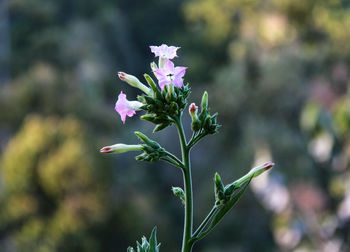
<point>153,245</point>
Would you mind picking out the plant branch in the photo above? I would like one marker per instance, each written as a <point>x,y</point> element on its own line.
<point>174,158</point>
<point>171,162</point>
<point>204,223</point>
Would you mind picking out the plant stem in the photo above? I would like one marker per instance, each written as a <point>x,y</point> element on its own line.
<point>188,223</point>
<point>205,222</point>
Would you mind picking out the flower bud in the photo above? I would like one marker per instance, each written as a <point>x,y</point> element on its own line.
<point>146,140</point>
<point>177,191</point>
<point>133,81</point>
<point>120,148</point>
<point>219,190</point>
<point>193,109</point>
<point>205,101</point>
<point>261,168</point>
<point>154,66</point>
<point>256,171</point>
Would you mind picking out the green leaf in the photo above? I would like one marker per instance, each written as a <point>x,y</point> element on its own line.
<point>153,245</point>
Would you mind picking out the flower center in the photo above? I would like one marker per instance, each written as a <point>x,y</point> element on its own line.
<point>170,76</point>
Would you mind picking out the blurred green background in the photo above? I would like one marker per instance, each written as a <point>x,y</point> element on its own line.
<point>277,71</point>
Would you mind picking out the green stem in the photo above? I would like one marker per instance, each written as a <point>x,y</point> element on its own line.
<point>204,223</point>
<point>171,162</point>
<point>188,225</point>
<point>174,158</point>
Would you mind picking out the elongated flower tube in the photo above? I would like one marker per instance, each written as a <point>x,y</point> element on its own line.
<point>133,81</point>
<point>125,107</point>
<point>170,74</point>
<point>254,172</point>
<point>120,148</point>
<point>164,53</point>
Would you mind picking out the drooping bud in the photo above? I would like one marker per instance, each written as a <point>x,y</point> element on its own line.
<point>133,81</point>
<point>177,191</point>
<point>120,148</point>
<point>205,101</point>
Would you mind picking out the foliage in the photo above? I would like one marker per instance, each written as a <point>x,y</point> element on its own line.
<point>52,188</point>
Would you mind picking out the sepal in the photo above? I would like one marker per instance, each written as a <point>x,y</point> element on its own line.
<point>152,151</point>
<point>207,124</point>
<point>219,190</point>
<point>163,106</point>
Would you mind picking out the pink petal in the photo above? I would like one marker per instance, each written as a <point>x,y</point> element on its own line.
<point>163,82</point>
<point>160,73</point>
<point>178,82</point>
<point>169,66</point>
<point>180,71</point>
<point>122,106</point>
<point>155,50</point>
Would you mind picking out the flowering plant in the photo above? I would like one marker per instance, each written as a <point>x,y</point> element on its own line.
<point>164,104</point>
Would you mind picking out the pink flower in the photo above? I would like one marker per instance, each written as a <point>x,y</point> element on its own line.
<point>164,51</point>
<point>170,74</point>
<point>125,107</point>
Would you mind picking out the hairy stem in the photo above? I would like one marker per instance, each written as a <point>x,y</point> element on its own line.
<point>188,225</point>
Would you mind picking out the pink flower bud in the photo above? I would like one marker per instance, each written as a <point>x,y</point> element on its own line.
<point>133,81</point>
<point>193,109</point>
<point>120,148</point>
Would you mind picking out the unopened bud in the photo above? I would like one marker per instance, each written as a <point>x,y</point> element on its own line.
<point>154,66</point>
<point>120,148</point>
<point>256,171</point>
<point>177,191</point>
<point>219,189</point>
<point>146,140</point>
<point>193,109</point>
<point>261,168</point>
<point>133,81</point>
<point>205,101</point>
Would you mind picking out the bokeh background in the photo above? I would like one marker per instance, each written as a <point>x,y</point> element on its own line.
<point>277,71</point>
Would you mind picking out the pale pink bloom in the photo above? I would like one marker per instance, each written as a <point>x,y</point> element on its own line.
<point>170,74</point>
<point>125,107</point>
<point>164,51</point>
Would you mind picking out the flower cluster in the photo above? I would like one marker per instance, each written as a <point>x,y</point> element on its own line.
<point>166,73</point>
<point>164,103</point>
